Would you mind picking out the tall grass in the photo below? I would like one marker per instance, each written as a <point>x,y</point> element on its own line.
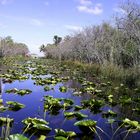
<point>129,76</point>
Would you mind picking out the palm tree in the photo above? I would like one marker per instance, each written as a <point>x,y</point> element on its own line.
<point>42,48</point>
<point>57,40</point>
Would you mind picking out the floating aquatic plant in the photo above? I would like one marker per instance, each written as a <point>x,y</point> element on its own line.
<point>63,89</point>
<point>76,115</point>
<point>36,124</point>
<point>17,137</point>
<point>109,113</point>
<point>21,92</point>
<point>61,134</point>
<point>15,106</point>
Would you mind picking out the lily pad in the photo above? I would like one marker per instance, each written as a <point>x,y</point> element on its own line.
<point>36,124</point>
<point>17,137</point>
<point>76,115</point>
<point>15,106</point>
<point>63,89</point>
<point>86,123</point>
<point>65,134</point>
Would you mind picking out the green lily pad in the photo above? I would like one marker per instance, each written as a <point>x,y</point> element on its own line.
<point>109,113</point>
<point>66,134</point>
<point>37,124</point>
<point>15,105</point>
<point>86,123</point>
<point>19,92</point>
<point>76,115</point>
<point>17,137</point>
<point>63,89</point>
<point>77,108</point>
<point>47,88</point>
<point>60,138</point>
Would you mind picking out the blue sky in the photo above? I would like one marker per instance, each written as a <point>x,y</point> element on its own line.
<point>35,22</point>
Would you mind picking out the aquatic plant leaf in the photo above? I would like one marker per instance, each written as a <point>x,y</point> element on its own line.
<point>69,114</point>
<point>14,90</point>
<point>77,93</point>
<point>24,92</point>
<point>86,123</point>
<point>60,138</point>
<point>109,113</point>
<point>61,132</point>
<point>42,137</point>
<point>42,127</point>
<point>1,101</point>
<point>5,120</point>
<point>17,137</point>
<point>63,89</point>
<point>128,123</point>
<point>47,88</point>
<point>111,121</point>
<point>77,108</point>
<point>3,108</point>
<point>78,115</point>
<point>36,125</point>
<point>125,100</point>
<point>15,105</point>
<point>34,121</point>
<point>19,92</point>
<point>69,101</point>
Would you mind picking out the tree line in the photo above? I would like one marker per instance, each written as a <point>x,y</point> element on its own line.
<point>10,48</point>
<point>116,43</point>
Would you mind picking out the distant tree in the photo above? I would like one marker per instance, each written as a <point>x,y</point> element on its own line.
<point>10,48</point>
<point>129,25</point>
<point>42,48</point>
<point>57,40</point>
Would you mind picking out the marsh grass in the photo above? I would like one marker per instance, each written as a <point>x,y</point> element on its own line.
<point>5,130</point>
<point>128,76</point>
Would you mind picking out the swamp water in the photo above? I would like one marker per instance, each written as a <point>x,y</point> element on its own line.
<point>72,104</point>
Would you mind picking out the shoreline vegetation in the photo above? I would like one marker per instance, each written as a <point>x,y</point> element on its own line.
<point>109,49</point>
<point>8,48</point>
<point>116,43</point>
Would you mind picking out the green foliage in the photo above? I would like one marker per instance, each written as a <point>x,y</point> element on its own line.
<point>61,134</point>
<point>21,92</point>
<point>86,123</point>
<point>17,137</point>
<point>57,40</point>
<point>36,124</point>
<point>7,45</point>
<point>5,121</point>
<point>63,89</point>
<point>14,105</point>
<point>78,115</point>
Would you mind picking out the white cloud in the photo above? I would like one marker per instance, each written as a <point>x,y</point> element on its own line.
<point>27,20</point>
<point>5,2</point>
<point>36,22</point>
<point>119,10</point>
<point>85,2</point>
<point>96,10</point>
<point>73,27</point>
